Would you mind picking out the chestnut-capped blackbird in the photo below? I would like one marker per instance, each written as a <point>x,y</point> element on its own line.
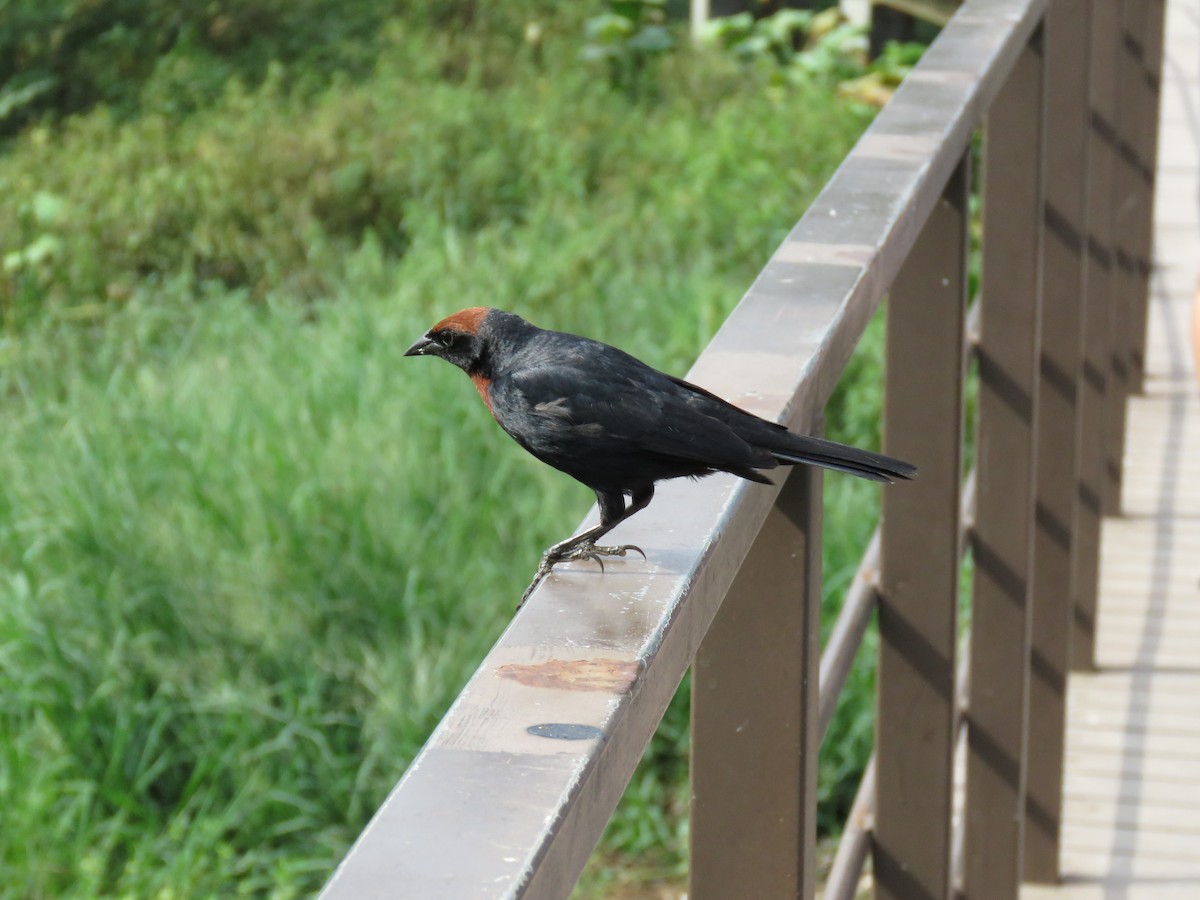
<point>616,424</point>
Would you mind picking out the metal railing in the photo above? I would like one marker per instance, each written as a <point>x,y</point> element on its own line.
<point>514,788</point>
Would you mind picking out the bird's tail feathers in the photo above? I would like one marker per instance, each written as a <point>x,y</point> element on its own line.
<point>814,451</point>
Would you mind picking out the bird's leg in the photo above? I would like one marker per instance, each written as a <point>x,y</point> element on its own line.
<point>583,545</point>
<point>640,499</point>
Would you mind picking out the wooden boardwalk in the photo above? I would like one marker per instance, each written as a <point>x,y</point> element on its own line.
<point>1132,792</point>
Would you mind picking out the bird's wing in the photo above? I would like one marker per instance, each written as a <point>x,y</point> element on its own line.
<point>792,448</point>
<point>627,405</point>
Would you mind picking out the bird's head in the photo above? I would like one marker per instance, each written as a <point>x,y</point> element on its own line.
<point>460,339</point>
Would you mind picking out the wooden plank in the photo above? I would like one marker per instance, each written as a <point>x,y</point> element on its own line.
<point>1156,888</point>
<point>1172,568</point>
<point>1178,816</point>
<point>1166,876</point>
<point>1155,745</point>
<point>1170,656</point>
<point>1163,680</point>
<point>1143,842</point>
<point>1184,771</point>
<point>1176,707</point>
<point>1179,720</point>
<point>1097,890</point>
<point>1134,615</point>
<point>1107,788</point>
<point>1162,575</point>
<point>1152,642</point>
<point>1142,554</point>
<point>1175,693</point>
<point>1153,637</point>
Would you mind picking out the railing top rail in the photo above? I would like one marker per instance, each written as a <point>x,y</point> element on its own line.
<point>515,786</point>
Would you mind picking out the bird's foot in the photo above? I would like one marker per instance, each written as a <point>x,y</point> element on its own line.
<point>587,550</point>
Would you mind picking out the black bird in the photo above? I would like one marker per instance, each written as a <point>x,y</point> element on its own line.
<point>617,425</point>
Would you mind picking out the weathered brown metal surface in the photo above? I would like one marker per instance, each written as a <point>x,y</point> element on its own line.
<point>1126,197</point>
<point>755,739</point>
<point>854,846</point>
<point>923,414</point>
<point>1006,444</point>
<point>1138,62</point>
<point>1059,436</point>
<point>1147,149</point>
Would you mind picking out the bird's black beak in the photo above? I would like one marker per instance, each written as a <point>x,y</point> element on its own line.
<point>420,348</point>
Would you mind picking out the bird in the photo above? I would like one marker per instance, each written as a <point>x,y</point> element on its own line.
<point>616,424</point>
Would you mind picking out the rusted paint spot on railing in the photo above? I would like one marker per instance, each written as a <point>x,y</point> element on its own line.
<point>614,676</point>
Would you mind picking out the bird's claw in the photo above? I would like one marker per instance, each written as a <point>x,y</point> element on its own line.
<point>620,550</point>
<point>582,551</point>
<point>592,552</point>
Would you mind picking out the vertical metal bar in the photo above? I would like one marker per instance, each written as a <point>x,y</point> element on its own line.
<point>755,727</point>
<point>1055,542</point>
<point>1102,156</point>
<point>919,581</point>
<point>1127,196</point>
<point>1006,445</point>
<point>1149,80</point>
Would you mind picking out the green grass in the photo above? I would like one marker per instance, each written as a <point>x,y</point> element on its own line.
<point>249,554</point>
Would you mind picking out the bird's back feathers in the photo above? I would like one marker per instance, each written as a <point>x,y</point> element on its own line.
<point>614,422</point>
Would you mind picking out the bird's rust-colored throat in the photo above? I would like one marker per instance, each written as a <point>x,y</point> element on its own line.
<point>468,321</point>
<point>482,384</point>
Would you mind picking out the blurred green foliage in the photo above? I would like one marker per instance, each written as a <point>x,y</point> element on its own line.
<point>629,38</point>
<point>802,46</point>
<point>177,55</point>
<point>248,554</point>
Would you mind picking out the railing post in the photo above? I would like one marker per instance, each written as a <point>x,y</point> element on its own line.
<point>1130,192</point>
<point>755,723</point>
<point>1006,443</point>
<point>1059,437</point>
<point>1148,78</point>
<point>1098,341</point>
<point>923,415</point>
